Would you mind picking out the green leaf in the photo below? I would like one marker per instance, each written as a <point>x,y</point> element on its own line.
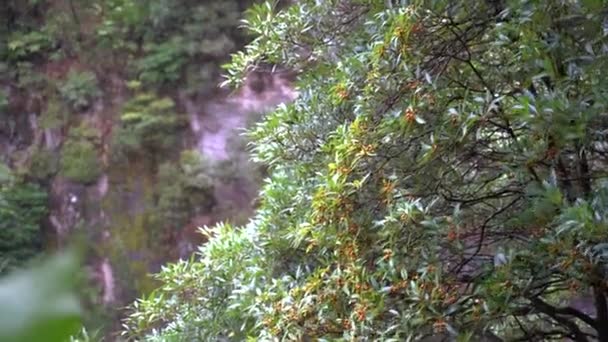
<point>38,305</point>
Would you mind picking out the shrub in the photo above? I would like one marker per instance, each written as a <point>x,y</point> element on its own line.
<point>55,114</point>
<point>184,190</point>
<point>79,161</point>
<point>173,207</point>
<point>80,89</point>
<point>173,37</point>
<point>25,45</point>
<point>162,62</point>
<point>197,170</point>
<point>43,164</point>
<point>148,124</point>
<point>85,131</point>
<point>22,208</point>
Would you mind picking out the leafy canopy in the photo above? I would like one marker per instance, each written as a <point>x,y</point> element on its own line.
<point>442,172</point>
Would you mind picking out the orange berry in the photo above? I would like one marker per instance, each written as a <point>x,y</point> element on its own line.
<point>410,115</point>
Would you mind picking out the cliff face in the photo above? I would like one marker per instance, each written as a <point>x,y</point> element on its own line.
<point>116,215</point>
<point>113,109</point>
<point>118,211</point>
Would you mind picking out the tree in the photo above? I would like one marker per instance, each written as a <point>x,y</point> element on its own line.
<point>173,41</point>
<point>442,173</point>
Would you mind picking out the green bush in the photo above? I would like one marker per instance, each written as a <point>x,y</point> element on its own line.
<point>184,189</point>
<point>197,171</point>
<point>173,206</point>
<point>174,35</point>
<point>85,335</point>
<point>85,131</point>
<point>55,115</point>
<point>148,124</point>
<point>80,89</point>
<point>79,161</point>
<point>122,22</point>
<point>22,209</point>
<point>162,63</point>
<point>42,165</point>
<point>25,45</point>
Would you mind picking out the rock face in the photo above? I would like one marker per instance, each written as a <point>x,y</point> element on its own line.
<point>114,212</point>
<point>215,122</point>
<point>106,278</point>
<point>119,200</point>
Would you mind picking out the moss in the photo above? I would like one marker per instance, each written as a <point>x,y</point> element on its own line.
<point>131,253</point>
<point>135,243</point>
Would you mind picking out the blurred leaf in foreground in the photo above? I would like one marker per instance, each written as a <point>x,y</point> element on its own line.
<point>39,304</point>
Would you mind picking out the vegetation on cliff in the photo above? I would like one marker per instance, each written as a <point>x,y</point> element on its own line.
<point>22,209</point>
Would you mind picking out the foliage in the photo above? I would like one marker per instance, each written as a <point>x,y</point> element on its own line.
<point>441,174</point>
<point>148,123</point>
<point>80,89</point>
<point>79,160</point>
<point>196,170</point>
<point>162,63</point>
<point>42,165</point>
<point>6,175</point>
<point>173,203</point>
<point>39,304</point>
<point>174,34</point>
<point>239,166</point>
<point>229,262</point>
<point>55,114</point>
<point>26,45</point>
<point>22,209</point>
<point>85,336</point>
<point>184,190</point>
